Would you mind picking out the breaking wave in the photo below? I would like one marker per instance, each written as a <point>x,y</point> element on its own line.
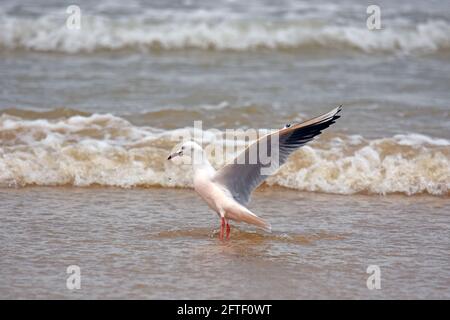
<point>106,150</point>
<point>202,31</point>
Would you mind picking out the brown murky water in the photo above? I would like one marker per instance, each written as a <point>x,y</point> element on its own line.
<point>163,243</point>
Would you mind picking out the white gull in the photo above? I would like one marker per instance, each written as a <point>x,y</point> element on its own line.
<point>227,191</point>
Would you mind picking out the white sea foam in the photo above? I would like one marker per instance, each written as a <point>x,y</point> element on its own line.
<point>109,151</point>
<point>203,30</point>
<point>415,139</point>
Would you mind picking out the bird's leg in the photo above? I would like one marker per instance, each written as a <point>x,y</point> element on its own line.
<point>222,226</point>
<point>228,231</point>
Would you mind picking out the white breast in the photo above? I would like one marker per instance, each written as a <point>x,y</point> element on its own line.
<point>213,194</point>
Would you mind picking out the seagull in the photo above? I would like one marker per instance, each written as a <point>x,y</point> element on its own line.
<point>227,191</point>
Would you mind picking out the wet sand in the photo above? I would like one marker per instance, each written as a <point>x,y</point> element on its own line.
<point>163,243</point>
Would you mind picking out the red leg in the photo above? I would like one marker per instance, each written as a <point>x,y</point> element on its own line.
<point>222,226</point>
<point>228,231</point>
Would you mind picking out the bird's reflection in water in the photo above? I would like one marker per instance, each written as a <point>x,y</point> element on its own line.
<point>245,243</point>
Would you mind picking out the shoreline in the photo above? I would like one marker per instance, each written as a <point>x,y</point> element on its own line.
<point>264,188</point>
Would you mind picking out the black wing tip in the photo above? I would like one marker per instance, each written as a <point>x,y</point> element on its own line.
<point>337,114</point>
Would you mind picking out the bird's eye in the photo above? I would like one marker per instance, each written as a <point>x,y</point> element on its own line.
<point>182,148</point>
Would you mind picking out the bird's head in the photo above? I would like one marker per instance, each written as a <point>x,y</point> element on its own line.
<point>188,148</point>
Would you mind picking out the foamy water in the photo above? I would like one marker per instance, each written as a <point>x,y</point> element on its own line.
<point>226,26</point>
<point>109,151</point>
<point>217,33</point>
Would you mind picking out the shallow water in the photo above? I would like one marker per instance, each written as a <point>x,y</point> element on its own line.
<point>163,243</point>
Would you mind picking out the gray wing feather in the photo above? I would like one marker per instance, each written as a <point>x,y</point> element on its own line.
<point>241,178</point>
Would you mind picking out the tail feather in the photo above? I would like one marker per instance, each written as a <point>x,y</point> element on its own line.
<point>243,214</point>
<point>257,221</point>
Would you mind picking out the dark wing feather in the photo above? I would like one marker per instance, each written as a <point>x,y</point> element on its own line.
<point>241,178</point>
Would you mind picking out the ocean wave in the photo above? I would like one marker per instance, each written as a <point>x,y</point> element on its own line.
<point>106,150</point>
<point>49,34</point>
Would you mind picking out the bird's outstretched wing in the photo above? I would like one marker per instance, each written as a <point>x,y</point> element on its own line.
<point>242,176</point>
